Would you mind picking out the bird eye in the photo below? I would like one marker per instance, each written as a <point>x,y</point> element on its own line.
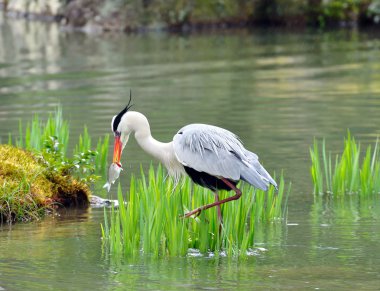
<point>117,133</point>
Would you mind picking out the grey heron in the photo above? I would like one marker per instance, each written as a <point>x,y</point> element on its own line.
<point>213,157</point>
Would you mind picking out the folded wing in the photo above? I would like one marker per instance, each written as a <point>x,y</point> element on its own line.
<point>219,152</point>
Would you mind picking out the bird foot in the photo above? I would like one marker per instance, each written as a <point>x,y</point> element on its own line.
<point>195,212</point>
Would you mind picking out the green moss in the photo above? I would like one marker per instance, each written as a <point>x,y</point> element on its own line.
<point>28,187</point>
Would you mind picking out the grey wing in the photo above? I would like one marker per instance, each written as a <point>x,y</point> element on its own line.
<point>219,152</point>
<point>207,148</point>
<point>253,168</point>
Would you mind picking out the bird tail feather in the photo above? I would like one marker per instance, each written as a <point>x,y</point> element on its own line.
<point>257,176</point>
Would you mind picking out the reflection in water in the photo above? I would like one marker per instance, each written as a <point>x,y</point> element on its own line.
<point>349,224</point>
<point>347,231</point>
<point>277,90</point>
<point>195,271</point>
<point>46,253</point>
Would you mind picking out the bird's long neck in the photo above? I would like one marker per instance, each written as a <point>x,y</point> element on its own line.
<point>144,138</point>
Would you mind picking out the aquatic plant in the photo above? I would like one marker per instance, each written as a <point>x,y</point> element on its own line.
<point>44,174</point>
<point>149,219</point>
<point>50,141</point>
<point>28,188</point>
<point>37,133</point>
<point>345,174</point>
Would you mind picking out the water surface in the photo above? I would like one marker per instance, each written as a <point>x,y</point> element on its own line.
<point>276,89</point>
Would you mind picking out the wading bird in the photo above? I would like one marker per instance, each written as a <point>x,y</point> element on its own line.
<point>213,157</point>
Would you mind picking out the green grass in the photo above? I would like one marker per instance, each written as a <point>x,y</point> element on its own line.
<point>36,133</point>
<point>346,173</point>
<point>19,204</point>
<point>148,220</point>
<point>48,142</point>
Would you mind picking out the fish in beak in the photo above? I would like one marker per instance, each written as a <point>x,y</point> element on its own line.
<point>113,174</point>
<point>115,168</point>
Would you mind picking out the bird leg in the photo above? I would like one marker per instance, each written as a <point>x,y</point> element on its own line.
<point>220,218</point>
<point>219,209</point>
<point>216,203</point>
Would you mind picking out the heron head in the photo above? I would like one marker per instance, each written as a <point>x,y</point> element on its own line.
<point>121,131</point>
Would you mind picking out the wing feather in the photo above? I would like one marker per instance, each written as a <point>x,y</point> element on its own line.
<point>220,153</point>
<point>209,149</point>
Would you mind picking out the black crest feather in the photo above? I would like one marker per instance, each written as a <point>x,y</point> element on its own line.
<point>122,112</point>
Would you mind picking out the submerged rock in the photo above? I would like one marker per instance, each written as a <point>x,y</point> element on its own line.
<point>97,202</point>
<point>28,187</point>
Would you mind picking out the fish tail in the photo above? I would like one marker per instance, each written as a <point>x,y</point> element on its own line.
<point>107,186</point>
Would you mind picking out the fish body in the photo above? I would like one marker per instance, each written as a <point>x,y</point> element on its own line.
<point>113,173</point>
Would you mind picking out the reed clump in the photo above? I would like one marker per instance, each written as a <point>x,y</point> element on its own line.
<point>36,174</point>
<point>149,219</point>
<point>346,173</point>
<point>28,189</point>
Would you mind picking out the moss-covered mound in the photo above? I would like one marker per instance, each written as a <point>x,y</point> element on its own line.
<point>28,188</point>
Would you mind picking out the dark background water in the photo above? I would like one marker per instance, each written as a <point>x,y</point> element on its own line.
<point>276,89</point>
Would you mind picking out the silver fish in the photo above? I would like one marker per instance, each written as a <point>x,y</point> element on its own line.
<point>113,173</point>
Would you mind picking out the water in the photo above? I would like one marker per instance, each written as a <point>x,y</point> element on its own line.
<point>276,89</point>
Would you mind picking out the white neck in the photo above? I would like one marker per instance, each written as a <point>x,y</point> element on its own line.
<point>139,124</point>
